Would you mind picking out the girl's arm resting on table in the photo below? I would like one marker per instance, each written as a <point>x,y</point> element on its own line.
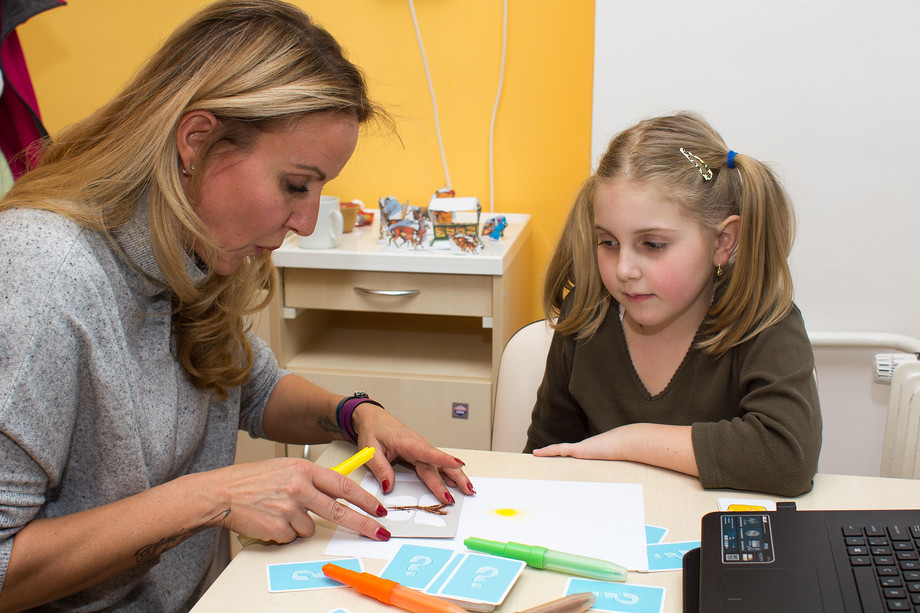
<point>661,445</point>
<point>300,412</point>
<point>55,557</point>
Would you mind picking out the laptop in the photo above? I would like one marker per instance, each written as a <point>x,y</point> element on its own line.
<point>790,561</point>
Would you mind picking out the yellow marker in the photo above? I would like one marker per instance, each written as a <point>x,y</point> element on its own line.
<point>746,507</point>
<point>354,461</point>
<point>345,468</point>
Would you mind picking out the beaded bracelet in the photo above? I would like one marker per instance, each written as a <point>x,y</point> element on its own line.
<point>346,409</point>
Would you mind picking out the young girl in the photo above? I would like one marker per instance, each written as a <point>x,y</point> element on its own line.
<point>677,343</point>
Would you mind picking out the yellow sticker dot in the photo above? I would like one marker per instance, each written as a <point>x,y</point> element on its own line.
<point>506,512</point>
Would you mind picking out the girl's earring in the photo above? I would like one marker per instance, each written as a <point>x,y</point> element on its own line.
<point>184,172</point>
<point>719,271</point>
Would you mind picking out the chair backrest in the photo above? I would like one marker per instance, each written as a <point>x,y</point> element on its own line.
<point>520,372</point>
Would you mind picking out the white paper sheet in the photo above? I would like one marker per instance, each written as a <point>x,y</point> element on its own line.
<point>600,520</point>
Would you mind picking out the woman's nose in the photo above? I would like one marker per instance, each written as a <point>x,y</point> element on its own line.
<point>303,219</point>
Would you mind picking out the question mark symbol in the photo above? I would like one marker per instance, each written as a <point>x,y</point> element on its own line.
<point>624,598</point>
<point>415,564</point>
<point>304,575</point>
<point>484,573</point>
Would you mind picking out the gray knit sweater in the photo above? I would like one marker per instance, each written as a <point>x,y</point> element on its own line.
<point>93,405</point>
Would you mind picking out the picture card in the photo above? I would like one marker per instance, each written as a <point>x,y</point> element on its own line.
<point>297,576</point>
<point>417,566</point>
<point>481,578</point>
<point>459,577</point>
<point>620,597</point>
<point>413,511</point>
<point>669,556</point>
<point>654,534</point>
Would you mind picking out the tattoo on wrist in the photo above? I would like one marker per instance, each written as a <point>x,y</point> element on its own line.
<point>154,550</point>
<point>328,425</point>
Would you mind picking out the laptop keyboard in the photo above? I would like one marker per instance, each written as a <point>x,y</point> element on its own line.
<point>886,565</point>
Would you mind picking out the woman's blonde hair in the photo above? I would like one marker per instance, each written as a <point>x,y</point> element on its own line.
<point>755,289</point>
<point>254,64</point>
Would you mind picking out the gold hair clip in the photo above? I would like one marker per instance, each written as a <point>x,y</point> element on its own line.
<point>700,164</point>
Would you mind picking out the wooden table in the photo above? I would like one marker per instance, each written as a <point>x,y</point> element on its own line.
<point>672,500</point>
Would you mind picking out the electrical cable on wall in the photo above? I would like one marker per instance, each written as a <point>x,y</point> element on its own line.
<point>434,102</point>
<point>498,95</point>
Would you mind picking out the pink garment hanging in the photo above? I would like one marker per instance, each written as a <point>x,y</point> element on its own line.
<point>20,122</point>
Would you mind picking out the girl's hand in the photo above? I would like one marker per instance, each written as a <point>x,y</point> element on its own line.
<point>603,446</point>
<point>379,429</point>
<point>661,445</point>
<point>270,500</point>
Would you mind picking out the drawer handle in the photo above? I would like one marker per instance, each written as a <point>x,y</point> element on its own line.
<point>387,292</point>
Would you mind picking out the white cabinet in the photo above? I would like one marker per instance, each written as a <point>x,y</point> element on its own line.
<point>420,331</point>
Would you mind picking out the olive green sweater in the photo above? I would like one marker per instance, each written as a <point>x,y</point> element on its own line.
<point>754,411</point>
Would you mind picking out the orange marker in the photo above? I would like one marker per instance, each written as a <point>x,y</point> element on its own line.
<point>390,592</point>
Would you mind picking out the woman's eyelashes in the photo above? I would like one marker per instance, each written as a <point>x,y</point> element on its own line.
<point>296,188</point>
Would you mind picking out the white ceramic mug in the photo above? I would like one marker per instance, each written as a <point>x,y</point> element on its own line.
<point>328,231</point>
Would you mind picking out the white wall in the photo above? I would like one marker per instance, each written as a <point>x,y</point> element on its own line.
<point>828,93</point>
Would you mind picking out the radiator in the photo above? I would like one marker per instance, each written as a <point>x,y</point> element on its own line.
<point>900,449</point>
<point>900,456</point>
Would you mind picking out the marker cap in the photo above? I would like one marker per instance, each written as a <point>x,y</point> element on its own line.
<point>369,585</point>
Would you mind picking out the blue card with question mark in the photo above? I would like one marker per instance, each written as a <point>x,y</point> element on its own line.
<point>442,572</point>
<point>619,597</point>
<point>482,578</point>
<point>306,575</point>
<point>415,566</point>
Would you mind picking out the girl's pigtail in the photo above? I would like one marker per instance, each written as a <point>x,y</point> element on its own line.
<point>758,291</point>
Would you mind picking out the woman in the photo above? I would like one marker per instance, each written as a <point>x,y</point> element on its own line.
<point>130,256</point>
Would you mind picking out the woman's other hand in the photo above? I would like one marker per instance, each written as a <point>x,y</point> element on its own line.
<point>381,430</point>
<point>270,500</point>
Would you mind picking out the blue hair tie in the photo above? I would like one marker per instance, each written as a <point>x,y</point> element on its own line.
<point>731,158</point>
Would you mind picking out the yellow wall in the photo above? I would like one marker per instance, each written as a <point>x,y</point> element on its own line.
<point>79,55</point>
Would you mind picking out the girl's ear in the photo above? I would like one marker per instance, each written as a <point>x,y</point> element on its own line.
<point>726,240</point>
<point>193,130</point>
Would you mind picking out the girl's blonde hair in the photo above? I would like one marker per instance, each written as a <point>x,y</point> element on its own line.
<point>254,64</point>
<point>755,289</point>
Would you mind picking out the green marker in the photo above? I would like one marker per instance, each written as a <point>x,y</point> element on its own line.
<point>541,557</point>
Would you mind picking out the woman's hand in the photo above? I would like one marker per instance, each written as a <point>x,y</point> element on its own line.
<point>270,500</point>
<point>379,429</point>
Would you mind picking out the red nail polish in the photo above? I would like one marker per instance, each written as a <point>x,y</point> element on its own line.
<point>449,497</point>
<point>381,512</point>
<point>383,534</point>
<point>385,485</point>
<point>460,462</point>
<point>469,487</point>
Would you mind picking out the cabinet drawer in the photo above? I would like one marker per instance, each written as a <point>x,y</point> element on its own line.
<point>388,292</point>
<point>430,406</point>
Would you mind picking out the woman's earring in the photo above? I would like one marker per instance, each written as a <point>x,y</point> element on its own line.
<point>184,172</point>
<point>719,271</point>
